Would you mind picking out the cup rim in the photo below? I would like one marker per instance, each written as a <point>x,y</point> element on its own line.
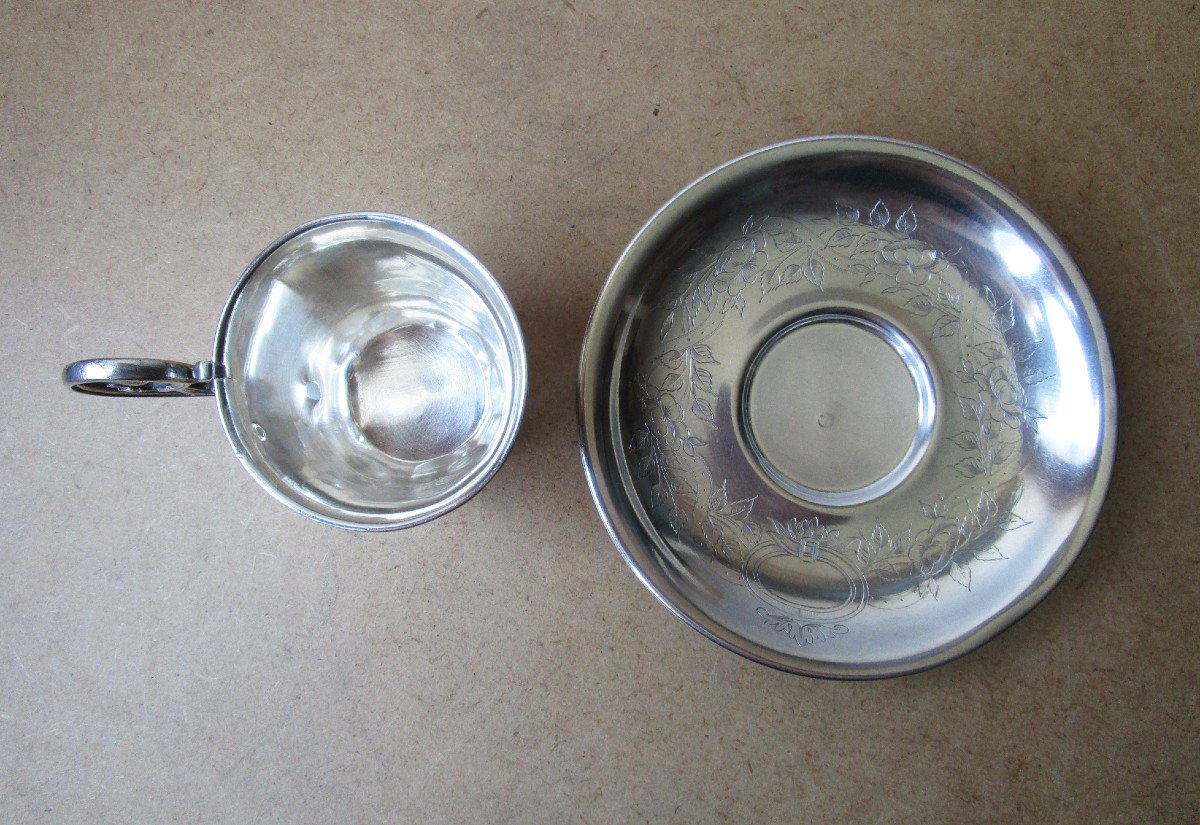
<point>493,294</point>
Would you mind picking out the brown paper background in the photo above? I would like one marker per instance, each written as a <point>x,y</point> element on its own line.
<point>177,646</point>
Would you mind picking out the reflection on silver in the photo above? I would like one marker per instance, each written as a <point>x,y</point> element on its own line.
<point>847,407</point>
<point>416,392</point>
<point>1019,258</point>
<point>370,373</point>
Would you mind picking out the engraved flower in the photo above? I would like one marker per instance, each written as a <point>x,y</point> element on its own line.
<point>936,551</point>
<point>1006,394</point>
<point>806,537</point>
<point>909,262</point>
<point>665,413</point>
<point>745,261</point>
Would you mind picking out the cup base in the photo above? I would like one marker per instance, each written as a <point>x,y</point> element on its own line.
<point>416,392</point>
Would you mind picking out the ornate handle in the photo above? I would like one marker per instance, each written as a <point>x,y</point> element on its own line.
<point>139,377</point>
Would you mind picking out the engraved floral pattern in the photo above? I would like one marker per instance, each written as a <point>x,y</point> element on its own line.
<point>802,633</point>
<point>909,263</point>
<point>869,566</point>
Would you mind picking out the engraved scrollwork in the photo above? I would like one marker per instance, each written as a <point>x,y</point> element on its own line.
<point>802,633</point>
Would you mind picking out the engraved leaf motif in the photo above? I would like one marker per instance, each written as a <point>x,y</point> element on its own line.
<point>946,291</point>
<point>928,587</point>
<point>1031,417</point>
<point>780,528</point>
<point>679,484</point>
<point>672,383</point>
<point>803,634</point>
<point>989,553</point>
<point>863,551</point>
<point>880,216</point>
<point>691,443</point>
<point>841,239</point>
<point>888,570</point>
<point>849,214</point>
<point>934,509</point>
<point>1033,376</point>
<point>671,358</point>
<point>966,440</point>
<point>989,296</point>
<point>968,467</point>
<point>815,273</point>
<point>811,633</point>
<point>702,408</point>
<point>673,519</point>
<point>1013,522</point>
<point>880,536</point>
<point>645,465</point>
<point>1015,496</point>
<point>945,327</point>
<point>641,438</point>
<point>667,323</point>
<point>870,244</point>
<point>971,408</point>
<point>868,547</point>
<point>742,508</point>
<point>703,354</point>
<point>907,222</point>
<point>1000,452</point>
<point>1003,319</point>
<point>719,497</point>
<point>920,305</point>
<point>987,508</point>
<point>1022,351</point>
<point>961,573</point>
<point>989,351</point>
<point>702,378</point>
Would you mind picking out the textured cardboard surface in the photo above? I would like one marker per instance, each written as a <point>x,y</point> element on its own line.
<point>177,646</point>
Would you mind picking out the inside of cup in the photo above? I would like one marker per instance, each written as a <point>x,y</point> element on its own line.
<point>371,372</point>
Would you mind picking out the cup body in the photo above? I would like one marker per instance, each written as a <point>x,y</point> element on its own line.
<point>369,372</point>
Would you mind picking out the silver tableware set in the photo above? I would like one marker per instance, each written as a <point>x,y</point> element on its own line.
<point>846,404</point>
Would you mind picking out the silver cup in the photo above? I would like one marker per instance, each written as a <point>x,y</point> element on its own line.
<point>370,373</point>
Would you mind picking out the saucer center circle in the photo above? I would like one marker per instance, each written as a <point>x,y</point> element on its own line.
<point>837,408</point>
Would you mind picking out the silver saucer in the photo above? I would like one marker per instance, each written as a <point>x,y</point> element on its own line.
<point>847,407</point>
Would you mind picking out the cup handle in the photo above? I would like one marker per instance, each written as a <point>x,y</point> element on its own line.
<point>139,377</point>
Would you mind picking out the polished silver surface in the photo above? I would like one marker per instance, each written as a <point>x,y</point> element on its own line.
<point>847,407</point>
<point>370,373</point>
